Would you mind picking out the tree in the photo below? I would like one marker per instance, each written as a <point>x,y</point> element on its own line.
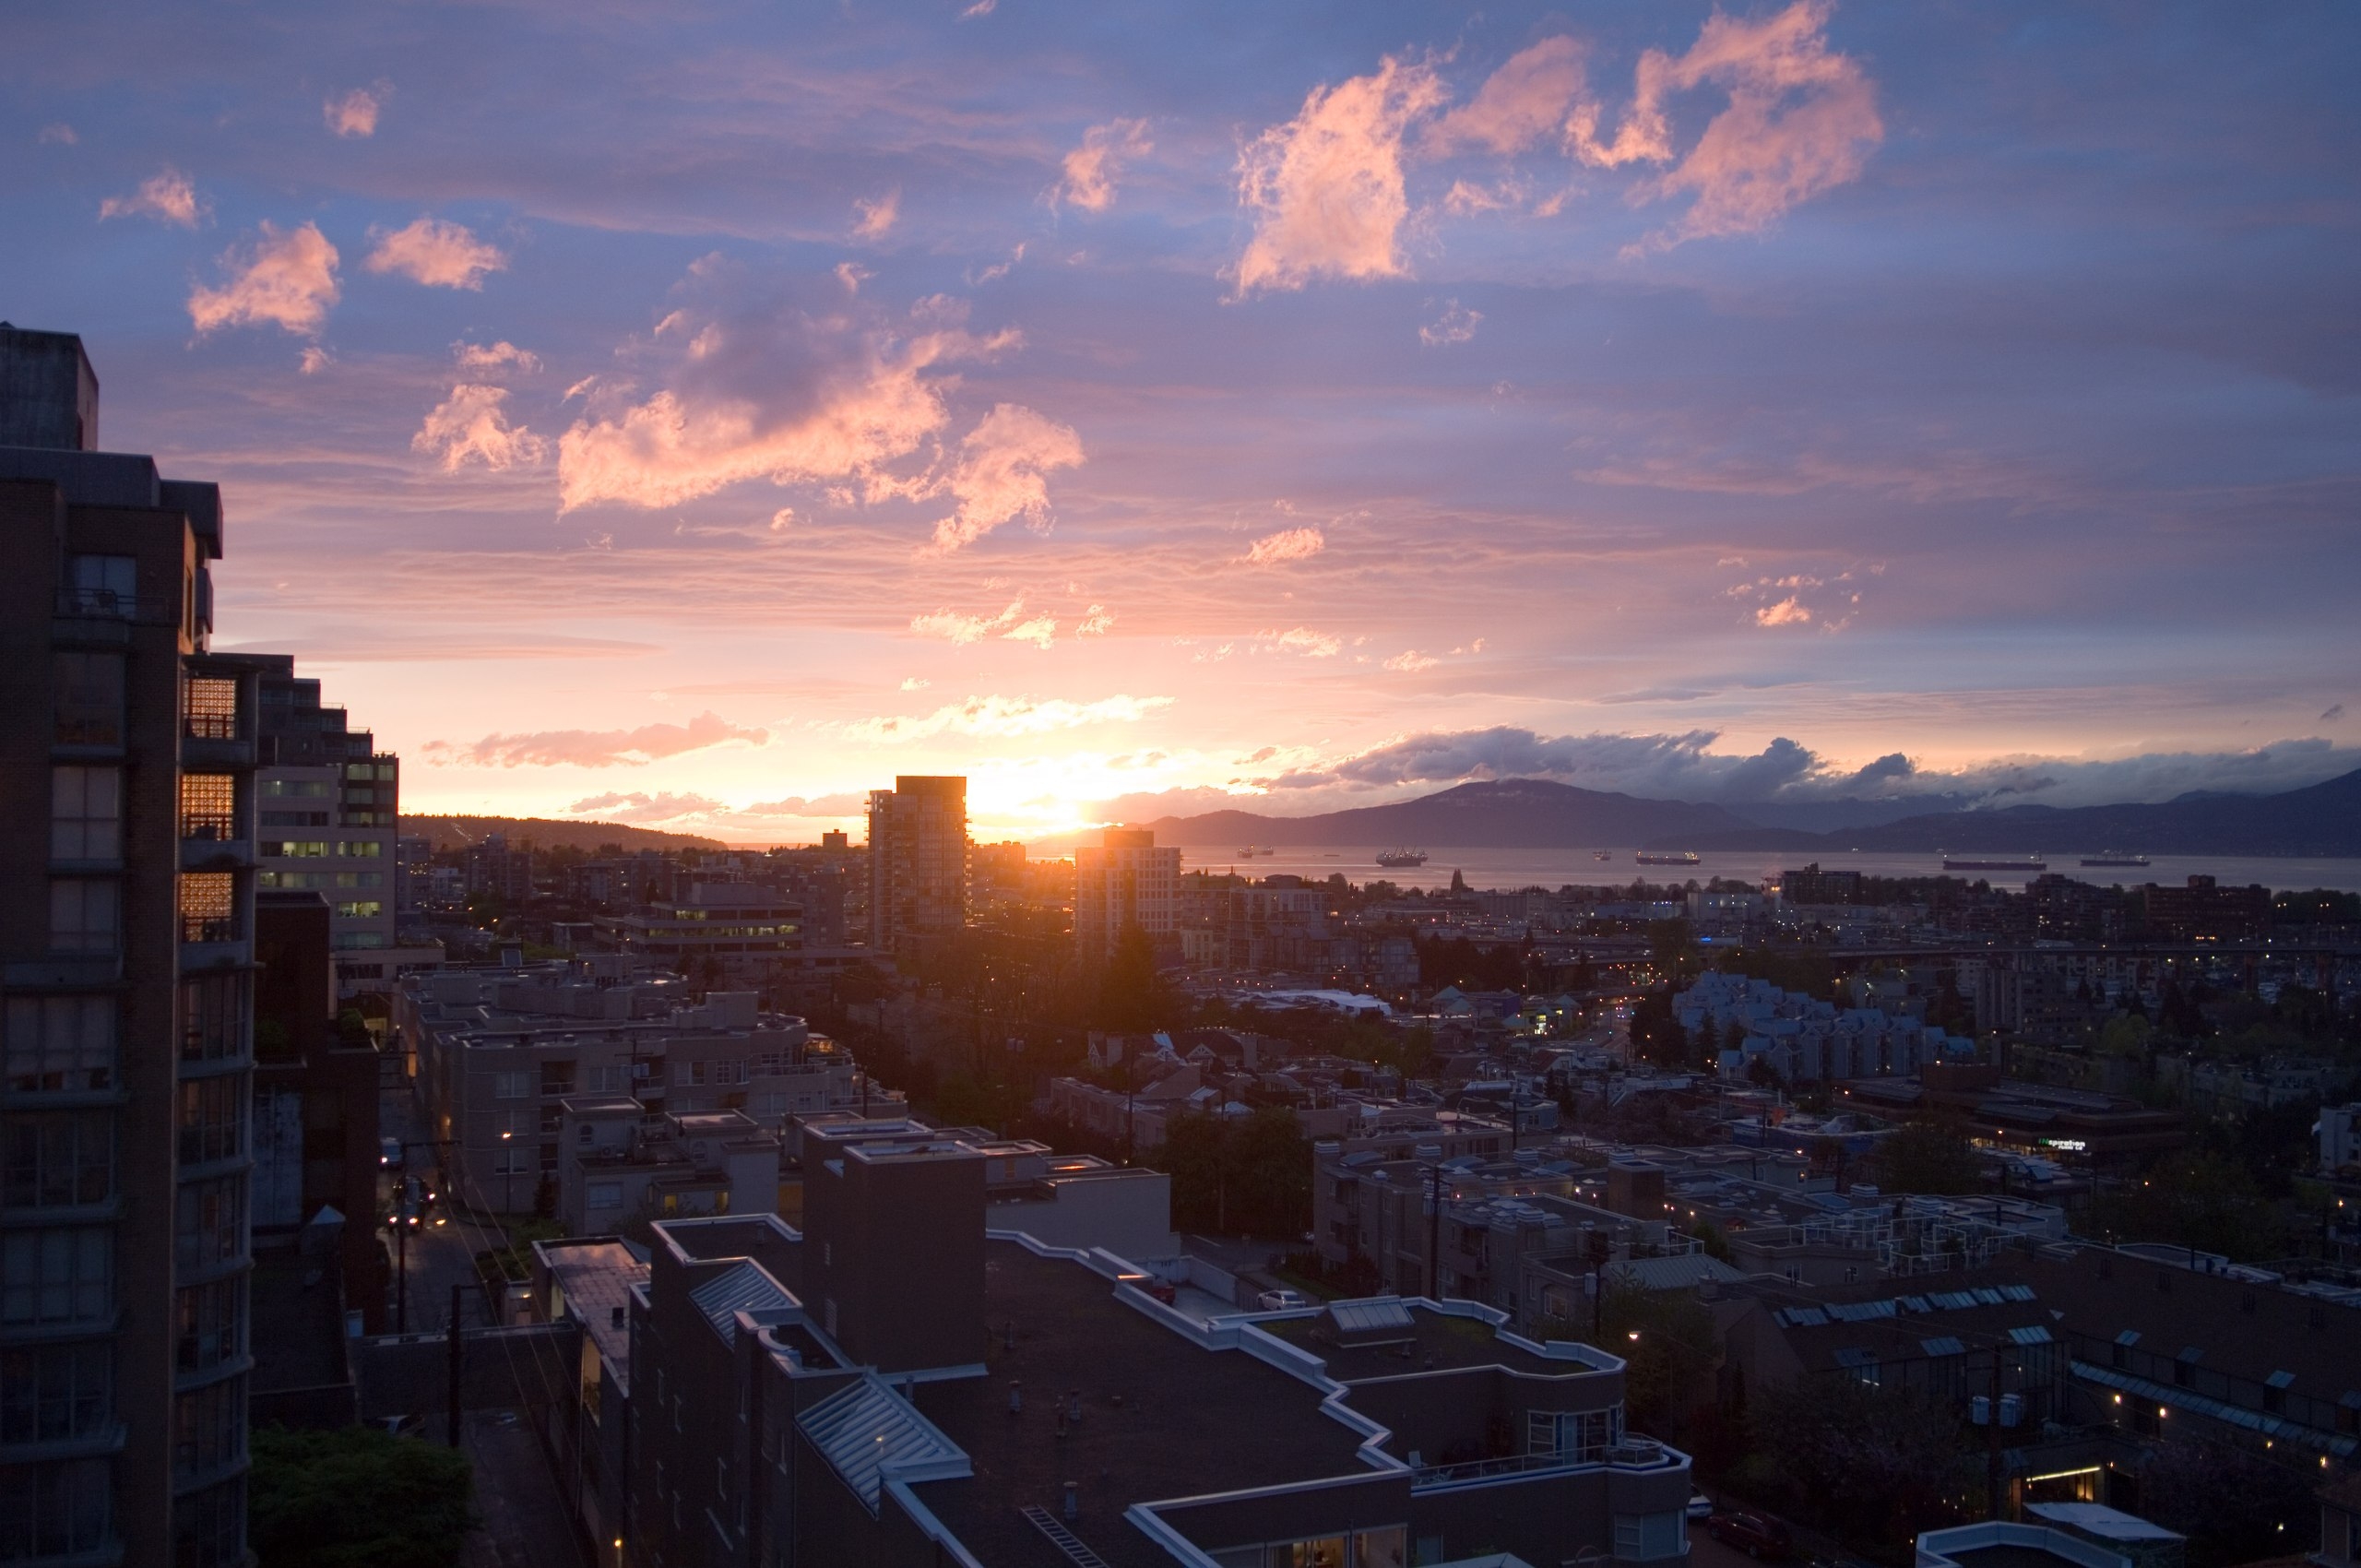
<point>2194,1199</point>
<point>1861,1459</point>
<point>356,1497</point>
<point>1929,1157</point>
<point>2233,1504</point>
<point>1131,993</point>
<point>1668,1341</point>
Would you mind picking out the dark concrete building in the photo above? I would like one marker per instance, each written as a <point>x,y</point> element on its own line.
<point>127,889</point>
<point>895,1385</point>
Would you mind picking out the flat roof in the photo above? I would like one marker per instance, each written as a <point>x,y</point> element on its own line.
<point>1436,1342</point>
<point>1190,1420</point>
<point>596,1276</point>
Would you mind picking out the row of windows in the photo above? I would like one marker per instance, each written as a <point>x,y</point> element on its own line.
<point>58,1275</point>
<point>59,1044</point>
<point>308,880</point>
<point>56,1393</point>
<point>57,1159</point>
<point>56,1510</point>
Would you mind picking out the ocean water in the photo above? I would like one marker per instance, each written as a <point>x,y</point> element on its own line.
<point>1556,868</point>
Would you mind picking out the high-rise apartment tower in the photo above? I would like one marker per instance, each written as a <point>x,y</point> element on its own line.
<point>126,908</point>
<point>1124,880</point>
<point>917,860</point>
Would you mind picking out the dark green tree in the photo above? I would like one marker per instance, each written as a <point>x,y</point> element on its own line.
<point>1874,1464</point>
<point>356,1497</point>
<point>1930,1155</point>
<point>1131,997</point>
<point>2234,1505</point>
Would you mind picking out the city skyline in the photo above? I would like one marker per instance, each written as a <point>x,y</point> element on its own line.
<point>1221,409</point>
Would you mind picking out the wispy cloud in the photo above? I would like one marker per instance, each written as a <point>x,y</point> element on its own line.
<point>1411,659</point>
<point>1012,624</point>
<point>1303,640</point>
<point>594,748</point>
<point>784,396</point>
<point>438,254</point>
<point>1003,473</point>
<point>1288,545</point>
<point>636,806</point>
<point>1325,189</point>
<point>502,355</point>
<point>354,114</point>
<point>1456,324</point>
<point>168,195</point>
<point>1000,717</point>
<point>874,216</point>
<point>57,133</point>
<point>286,280</point>
<point>1801,119</point>
<point>1092,169</point>
<point>471,423</point>
<point>1526,100</point>
<point>845,804</point>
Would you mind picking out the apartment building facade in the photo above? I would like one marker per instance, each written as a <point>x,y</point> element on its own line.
<point>1123,881</point>
<point>127,889</point>
<point>917,860</point>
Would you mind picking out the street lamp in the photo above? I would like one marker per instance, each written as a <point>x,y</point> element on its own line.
<point>507,1174</point>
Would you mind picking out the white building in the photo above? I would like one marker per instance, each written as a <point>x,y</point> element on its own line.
<point>1124,881</point>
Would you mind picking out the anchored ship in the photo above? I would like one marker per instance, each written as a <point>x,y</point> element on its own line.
<point>1392,858</point>
<point>1668,857</point>
<point>1949,863</point>
<point>2113,859</point>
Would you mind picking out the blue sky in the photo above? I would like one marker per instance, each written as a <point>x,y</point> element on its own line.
<point>699,415</point>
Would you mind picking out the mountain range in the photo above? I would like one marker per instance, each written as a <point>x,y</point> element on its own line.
<point>1534,813</point>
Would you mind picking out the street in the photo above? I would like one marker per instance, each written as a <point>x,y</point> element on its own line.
<point>442,1253</point>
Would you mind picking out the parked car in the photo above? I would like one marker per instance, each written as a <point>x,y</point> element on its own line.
<point>1753,1534</point>
<point>1700,1505</point>
<point>1281,1301</point>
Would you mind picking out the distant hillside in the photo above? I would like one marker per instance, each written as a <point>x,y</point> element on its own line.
<point>1509,813</point>
<point>456,832</point>
<point>2323,820</point>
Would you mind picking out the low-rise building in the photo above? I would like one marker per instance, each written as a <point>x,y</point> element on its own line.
<point>619,1166</point>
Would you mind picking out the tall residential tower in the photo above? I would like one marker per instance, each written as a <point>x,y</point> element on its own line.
<point>126,906</point>
<point>917,860</point>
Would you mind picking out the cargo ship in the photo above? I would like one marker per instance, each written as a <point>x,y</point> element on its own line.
<point>1953,863</point>
<point>1667,858</point>
<point>1393,858</point>
<point>2112,859</point>
<point>1602,854</point>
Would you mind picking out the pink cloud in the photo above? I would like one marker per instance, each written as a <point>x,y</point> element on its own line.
<point>1091,169</point>
<point>1786,613</point>
<point>1527,100</point>
<point>501,355</point>
<point>284,280</point>
<point>1289,544</point>
<point>471,423</point>
<point>855,400</point>
<point>168,195</point>
<point>440,254</point>
<point>877,216</point>
<point>594,748</point>
<point>1003,473</point>
<point>1326,189</point>
<point>1456,324</point>
<point>1005,717</point>
<point>354,114</point>
<point>1800,120</point>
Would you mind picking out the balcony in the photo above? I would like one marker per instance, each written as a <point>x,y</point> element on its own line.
<point>215,735</point>
<point>1631,1454</point>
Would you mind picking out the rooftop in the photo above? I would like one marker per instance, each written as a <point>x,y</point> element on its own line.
<point>1162,1416</point>
<point>594,1276</point>
<point>1432,1341</point>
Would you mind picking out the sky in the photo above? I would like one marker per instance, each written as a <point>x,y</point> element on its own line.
<point>697,415</point>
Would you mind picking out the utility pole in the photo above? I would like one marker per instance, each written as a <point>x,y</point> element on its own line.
<point>1434,1233</point>
<point>1992,1443</point>
<point>455,1303</point>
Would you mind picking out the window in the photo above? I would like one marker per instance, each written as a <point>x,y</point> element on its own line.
<point>606,1080</point>
<point>104,585</point>
<point>1384,1548</point>
<point>210,709</point>
<point>209,907</point>
<point>59,1276</point>
<point>209,1324</point>
<point>86,698</point>
<point>208,806</point>
<point>209,1427</point>
<point>82,915</point>
<point>56,1393</point>
<point>362,849</point>
<point>57,1159</point>
<point>209,1526</point>
<point>1644,1537</point>
<point>360,910</point>
<point>213,1018</point>
<point>60,1044</point>
<point>213,1118</point>
<point>295,848</point>
<point>557,1077</point>
<point>85,813</point>
<point>604,1195</point>
<point>1583,1436</point>
<point>512,1086</point>
<point>56,1510</point>
<point>295,788</point>
<point>211,1227</point>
